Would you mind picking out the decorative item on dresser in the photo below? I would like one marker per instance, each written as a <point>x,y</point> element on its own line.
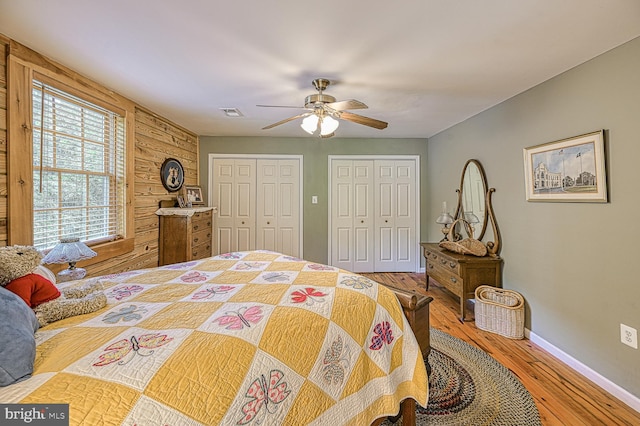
<point>185,234</point>
<point>459,273</point>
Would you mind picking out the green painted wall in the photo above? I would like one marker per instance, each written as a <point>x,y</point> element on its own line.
<point>315,172</point>
<point>575,263</point>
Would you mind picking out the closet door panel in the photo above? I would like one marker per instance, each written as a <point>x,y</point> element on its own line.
<point>223,199</point>
<point>341,214</point>
<point>363,216</point>
<point>405,218</point>
<point>224,238</point>
<point>288,207</point>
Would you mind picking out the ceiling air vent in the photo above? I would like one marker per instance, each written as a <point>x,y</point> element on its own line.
<point>231,112</point>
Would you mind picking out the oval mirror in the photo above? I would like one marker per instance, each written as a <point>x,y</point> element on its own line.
<point>473,191</point>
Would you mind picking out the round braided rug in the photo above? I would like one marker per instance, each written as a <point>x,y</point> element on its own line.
<point>469,387</point>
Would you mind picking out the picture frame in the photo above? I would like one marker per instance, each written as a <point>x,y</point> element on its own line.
<point>181,203</point>
<point>172,175</point>
<point>568,170</point>
<point>193,195</point>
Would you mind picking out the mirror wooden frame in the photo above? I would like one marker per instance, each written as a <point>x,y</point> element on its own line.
<point>493,247</point>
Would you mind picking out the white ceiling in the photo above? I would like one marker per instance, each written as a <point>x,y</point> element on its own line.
<point>421,65</point>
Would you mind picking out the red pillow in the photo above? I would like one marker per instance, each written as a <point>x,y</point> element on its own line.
<point>34,289</point>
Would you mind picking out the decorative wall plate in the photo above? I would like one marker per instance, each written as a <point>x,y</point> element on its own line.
<point>172,174</point>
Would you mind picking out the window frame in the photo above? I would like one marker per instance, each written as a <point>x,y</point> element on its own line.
<point>21,73</point>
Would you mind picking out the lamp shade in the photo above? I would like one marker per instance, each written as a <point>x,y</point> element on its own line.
<point>310,124</point>
<point>471,217</point>
<point>444,219</point>
<point>69,250</point>
<point>328,125</point>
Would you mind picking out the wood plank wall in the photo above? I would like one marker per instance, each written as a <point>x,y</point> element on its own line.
<point>156,139</point>
<point>3,141</point>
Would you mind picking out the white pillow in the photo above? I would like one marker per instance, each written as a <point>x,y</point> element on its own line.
<point>45,272</point>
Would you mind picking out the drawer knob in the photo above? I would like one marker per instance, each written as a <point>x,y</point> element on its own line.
<point>430,266</point>
<point>195,227</point>
<point>243,222</point>
<point>454,280</point>
<point>195,240</point>
<point>443,261</point>
<point>362,221</point>
<point>209,223</point>
<point>268,223</point>
<point>452,264</point>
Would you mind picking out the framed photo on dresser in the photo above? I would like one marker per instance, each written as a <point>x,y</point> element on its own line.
<point>193,195</point>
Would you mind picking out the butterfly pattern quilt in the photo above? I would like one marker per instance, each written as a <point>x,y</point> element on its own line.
<point>241,338</point>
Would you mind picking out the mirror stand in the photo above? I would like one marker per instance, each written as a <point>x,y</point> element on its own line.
<point>475,206</point>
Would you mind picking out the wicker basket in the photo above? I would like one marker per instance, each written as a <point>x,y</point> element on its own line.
<point>500,311</point>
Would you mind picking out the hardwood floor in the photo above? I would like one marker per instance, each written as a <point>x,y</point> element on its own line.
<point>563,396</point>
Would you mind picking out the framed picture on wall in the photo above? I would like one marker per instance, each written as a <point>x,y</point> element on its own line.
<point>193,195</point>
<point>568,170</point>
<point>172,175</point>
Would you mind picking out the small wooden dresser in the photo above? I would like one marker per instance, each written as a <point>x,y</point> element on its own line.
<point>185,234</point>
<point>461,274</point>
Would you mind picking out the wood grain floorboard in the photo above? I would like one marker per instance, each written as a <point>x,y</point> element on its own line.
<point>563,396</point>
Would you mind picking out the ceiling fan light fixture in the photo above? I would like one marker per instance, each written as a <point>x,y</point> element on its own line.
<point>324,111</point>
<point>310,124</point>
<point>328,126</point>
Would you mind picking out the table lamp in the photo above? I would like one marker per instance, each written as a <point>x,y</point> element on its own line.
<point>472,219</point>
<point>445,219</point>
<point>69,250</point>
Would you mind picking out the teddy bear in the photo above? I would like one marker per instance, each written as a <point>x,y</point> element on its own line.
<point>22,274</point>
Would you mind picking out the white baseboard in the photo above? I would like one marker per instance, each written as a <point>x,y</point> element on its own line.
<point>606,384</point>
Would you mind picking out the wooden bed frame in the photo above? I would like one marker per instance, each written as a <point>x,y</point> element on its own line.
<point>416,309</point>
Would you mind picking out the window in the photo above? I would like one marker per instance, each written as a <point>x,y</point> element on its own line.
<point>78,169</point>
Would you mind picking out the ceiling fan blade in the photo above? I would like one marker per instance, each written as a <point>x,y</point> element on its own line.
<point>371,122</point>
<point>286,120</point>
<point>281,106</point>
<point>346,104</point>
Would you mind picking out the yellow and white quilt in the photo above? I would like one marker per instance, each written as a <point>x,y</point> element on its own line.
<point>240,338</point>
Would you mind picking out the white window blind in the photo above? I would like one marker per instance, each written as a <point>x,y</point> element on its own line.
<point>78,169</point>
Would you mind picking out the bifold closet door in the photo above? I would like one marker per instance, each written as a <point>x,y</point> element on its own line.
<point>352,205</point>
<point>234,193</point>
<point>373,215</point>
<point>278,206</point>
<point>395,219</point>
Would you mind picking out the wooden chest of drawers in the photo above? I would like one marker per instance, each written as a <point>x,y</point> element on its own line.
<point>461,274</point>
<point>185,235</point>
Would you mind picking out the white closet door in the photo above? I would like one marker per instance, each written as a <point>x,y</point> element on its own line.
<point>278,206</point>
<point>352,239</point>
<point>363,216</point>
<point>234,193</point>
<point>395,222</point>
<point>341,214</point>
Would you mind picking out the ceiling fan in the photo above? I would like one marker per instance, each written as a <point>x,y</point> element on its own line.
<point>324,110</point>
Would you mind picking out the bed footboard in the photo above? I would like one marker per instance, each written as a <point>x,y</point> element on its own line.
<point>416,309</point>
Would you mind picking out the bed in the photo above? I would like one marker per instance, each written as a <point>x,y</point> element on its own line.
<point>240,338</point>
